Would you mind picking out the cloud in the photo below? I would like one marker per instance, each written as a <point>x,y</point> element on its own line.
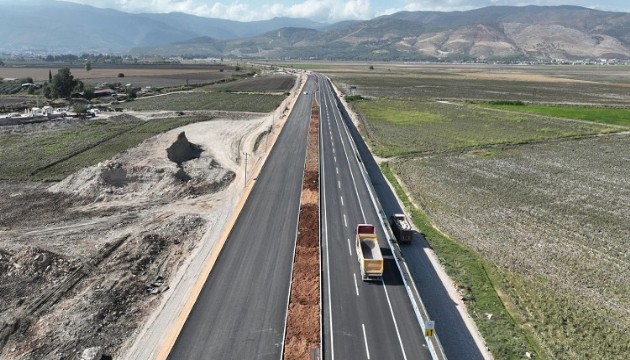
<point>320,10</point>
<point>462,5</point>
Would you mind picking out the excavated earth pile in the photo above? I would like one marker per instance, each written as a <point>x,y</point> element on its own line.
<point>302,337</point>
<point>83,261</point>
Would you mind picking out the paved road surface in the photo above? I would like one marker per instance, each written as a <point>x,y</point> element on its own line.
<point>455,338</point>
<point>241,310</point>
<point>362,320</point>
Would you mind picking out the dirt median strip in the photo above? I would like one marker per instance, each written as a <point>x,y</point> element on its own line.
<point>302,333</point>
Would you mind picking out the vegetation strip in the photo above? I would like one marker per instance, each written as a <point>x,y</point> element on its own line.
<point>603,115</point>
<point>303,328</point>
<point>504,335</point>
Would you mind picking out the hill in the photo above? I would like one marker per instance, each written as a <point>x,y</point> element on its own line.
<point>492,33</point>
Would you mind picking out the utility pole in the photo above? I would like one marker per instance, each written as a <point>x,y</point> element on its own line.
<point>245,185</point>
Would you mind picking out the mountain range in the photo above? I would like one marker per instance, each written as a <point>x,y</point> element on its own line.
<point>490,33</point>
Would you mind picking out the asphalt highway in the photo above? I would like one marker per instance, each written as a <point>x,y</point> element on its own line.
<point>361,320</point>
<point>241,310</point>
<point>455,338</point>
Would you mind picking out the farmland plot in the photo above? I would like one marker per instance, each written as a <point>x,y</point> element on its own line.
<point>406,127</point>
<point>539,84</point>
<point>554,217</point>
<point>207,100</point>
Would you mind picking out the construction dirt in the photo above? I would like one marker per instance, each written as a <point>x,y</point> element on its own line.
<point>84,261</point>
<point>302,336</point>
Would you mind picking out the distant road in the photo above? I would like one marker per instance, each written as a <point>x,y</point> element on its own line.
<point>362,320</point>
<point>241,310</point>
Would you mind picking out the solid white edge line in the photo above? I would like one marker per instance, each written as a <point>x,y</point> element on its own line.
<point>402,347</point>
<point>367,350</point>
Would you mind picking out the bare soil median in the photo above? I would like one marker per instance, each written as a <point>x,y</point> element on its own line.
<point>302,335</point>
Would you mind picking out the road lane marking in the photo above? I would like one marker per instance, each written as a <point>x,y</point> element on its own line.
<point>356,286</point>
<point>350,247</point>
<point>367,350</point>
<point>335,158</point>
<point>342,201</point>
<point>391,310</point>
<point>345,221</point>
<point>337,170</point>
<point>339,186</point>
<point>325,221</point>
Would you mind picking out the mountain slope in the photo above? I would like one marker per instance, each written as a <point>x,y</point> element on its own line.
<point>64,27</point>
<point>492,33</point>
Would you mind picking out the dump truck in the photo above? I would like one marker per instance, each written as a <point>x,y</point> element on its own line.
<point>369,253</point>
<point>402,228</point>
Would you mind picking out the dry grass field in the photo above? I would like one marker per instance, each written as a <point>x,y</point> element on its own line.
<point>554,217</point>
<point>540,198</point>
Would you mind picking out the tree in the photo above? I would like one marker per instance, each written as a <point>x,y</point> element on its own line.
<point>49,76</point>
<point>88,66</point>
<point>88,92</point>
<point>63,83</point>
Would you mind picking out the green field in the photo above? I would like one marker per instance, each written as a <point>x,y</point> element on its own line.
<point>54,153</point>
<point>207,100</point>
<point>611,116</point>
<point>398,127</point>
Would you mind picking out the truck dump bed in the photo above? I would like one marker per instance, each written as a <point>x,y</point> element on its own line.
<point>370,249</point>
<point>402,228</point>
<point>369,253</point>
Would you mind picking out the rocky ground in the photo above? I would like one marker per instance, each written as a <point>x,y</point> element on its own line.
<point>85,260</point>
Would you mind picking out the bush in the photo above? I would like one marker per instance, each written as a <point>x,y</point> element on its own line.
<point>506,102</point>
<point>352,98</point>
<point>121,75</point>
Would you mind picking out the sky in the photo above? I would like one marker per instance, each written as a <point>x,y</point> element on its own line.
<point>327,10</point>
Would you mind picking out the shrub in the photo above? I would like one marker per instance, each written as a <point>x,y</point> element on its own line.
<point>506,102</point>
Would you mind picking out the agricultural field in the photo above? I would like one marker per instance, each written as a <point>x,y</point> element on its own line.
<point>10,88</point>
<point>579,85</point>
<point>54,151</point>
<point>554,217</point>
<point>403,127</point>
<point>274,83</point>
<point>611,116</point>
<point>525,204</point>
<point>207,100</point>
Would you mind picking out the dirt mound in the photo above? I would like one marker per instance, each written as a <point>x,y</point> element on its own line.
<point>182,150</point>
<point>177,170</point>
